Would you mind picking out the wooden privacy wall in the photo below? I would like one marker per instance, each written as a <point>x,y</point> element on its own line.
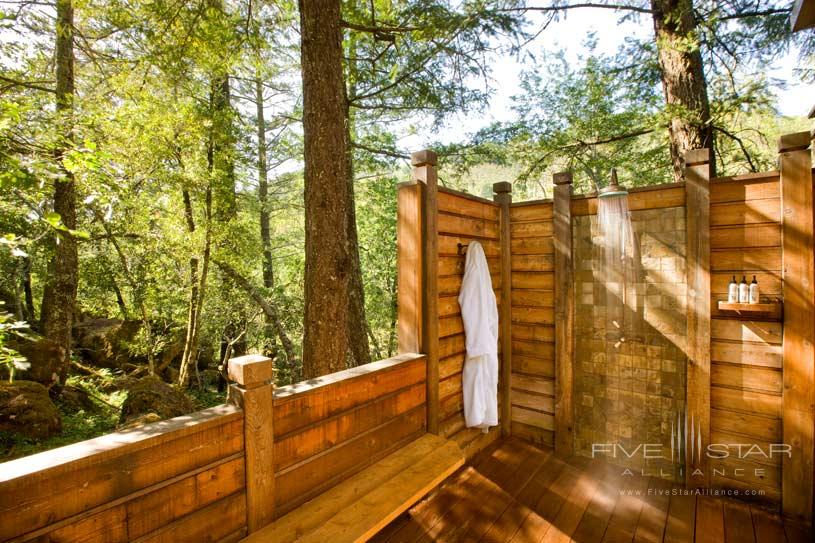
<point>746,353</point>
<point>177,480</point>
<point>328,429</point>
<point>533,324</point>
<point>462,218</point>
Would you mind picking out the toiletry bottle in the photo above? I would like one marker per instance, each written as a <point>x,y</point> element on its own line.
<point>733,291</point>
<point>754,291</point>
<point>744,291</point>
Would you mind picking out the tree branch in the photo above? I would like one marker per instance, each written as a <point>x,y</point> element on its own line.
<point>739,141</point>
<point>268,307</point>
<point>620,7</point>
<point>746,14</point>
<point>378,29</point>
<point>33,85</point>
<point>385,152</point>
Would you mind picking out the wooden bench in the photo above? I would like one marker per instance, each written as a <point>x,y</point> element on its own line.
<point>357,508</point>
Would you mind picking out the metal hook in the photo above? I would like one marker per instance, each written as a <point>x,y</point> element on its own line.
<point>462,248</point>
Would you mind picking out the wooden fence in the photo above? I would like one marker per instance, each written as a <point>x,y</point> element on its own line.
<point>182,479</point>
<point>218,473</point>
<point>750,377</point>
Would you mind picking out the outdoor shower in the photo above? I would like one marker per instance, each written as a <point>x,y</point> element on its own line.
<point>630,365</point>
<point>619,258</point>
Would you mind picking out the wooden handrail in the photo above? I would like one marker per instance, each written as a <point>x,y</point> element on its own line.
<point>312,385</point>
<point>91,451</point>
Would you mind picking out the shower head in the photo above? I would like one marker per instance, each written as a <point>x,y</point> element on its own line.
<point>613,188</point>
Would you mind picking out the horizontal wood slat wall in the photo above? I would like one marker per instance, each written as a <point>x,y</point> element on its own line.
<point>533,321</point>
<point>462,219</point>
<point>176,480</point>
<point>746,354</point>
<point>330,428</point>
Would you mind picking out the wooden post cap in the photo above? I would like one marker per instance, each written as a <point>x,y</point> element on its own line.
<point>425,157</point>
<point>797,141</point>
<point>251,371</point>
<point>562,178</point>
<point>502,187</point>
<point>697,156</point>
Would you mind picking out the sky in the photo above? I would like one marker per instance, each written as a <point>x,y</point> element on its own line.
<point>570,33</point>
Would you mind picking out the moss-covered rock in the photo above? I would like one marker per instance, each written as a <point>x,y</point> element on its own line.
<point>26,409</point>
<point>74,399</point>
<point>43,356</point>
<point>105,343</point>
<point>151,395</point>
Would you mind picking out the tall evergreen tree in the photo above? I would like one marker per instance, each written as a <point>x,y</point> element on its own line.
<point>59,294</point>
<point>327,202</point>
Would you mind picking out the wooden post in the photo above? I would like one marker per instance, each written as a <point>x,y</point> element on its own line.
<point>424,171</point>
<point>254,375</point>
<point>409,267</point>
<point>564,314</point>
<point>697,229</point>
<point>799,327</point>
<point>503,197</point>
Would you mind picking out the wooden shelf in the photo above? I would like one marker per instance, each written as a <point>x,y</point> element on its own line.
<point>771,309</point>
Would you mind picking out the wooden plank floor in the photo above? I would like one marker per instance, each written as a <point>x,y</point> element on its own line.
<point>517,492</point>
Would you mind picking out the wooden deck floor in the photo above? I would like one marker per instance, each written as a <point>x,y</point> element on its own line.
<point>517,492</point>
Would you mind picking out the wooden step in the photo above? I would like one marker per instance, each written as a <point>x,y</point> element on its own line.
<point>360,506</point>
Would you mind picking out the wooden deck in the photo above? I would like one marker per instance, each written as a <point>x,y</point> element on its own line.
<point>515,491</point>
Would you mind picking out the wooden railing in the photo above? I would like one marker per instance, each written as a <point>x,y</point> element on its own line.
<point>171,480</point>
<point>217,474</point>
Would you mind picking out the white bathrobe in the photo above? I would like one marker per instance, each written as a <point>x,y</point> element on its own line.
<point>480,315</point>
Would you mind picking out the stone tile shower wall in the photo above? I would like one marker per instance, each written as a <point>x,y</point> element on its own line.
<point>630,393</point>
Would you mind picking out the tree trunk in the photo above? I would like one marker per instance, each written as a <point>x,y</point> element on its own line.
<point>394,313</point>
<point>222,168</point>
<point>683,78</point>
<point>30,310</point>
<point>134,288</point>
<point>59,295</point>
<point>120,301</point>
<point>325,338</point>
<point>197,289</point>
<point>359,350</point>
<point>221,149</point>
<point>269,347</point>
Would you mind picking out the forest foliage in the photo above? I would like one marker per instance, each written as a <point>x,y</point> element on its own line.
<point>183,139</point>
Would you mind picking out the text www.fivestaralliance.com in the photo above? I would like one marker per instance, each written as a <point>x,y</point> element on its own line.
<point>690,492</point>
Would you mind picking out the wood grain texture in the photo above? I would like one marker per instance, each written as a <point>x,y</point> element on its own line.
<point>564,320</point>
<point>699,262</point>
<point>363,504</point>
<point>297,446</point>
<point>799,329</point>
<point>507,493</point>
<point>460,203</point>
<point>410,267</point>
<point>103,473</point>
<point>503,198</point>
<point>458,225</point>
<point>302,482</point>
<point>746,212</point>
<point>257,404</point>
<point>302,404</point>
<point>743,188</point>
<point>425,172</point>
<point>654,197</point>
